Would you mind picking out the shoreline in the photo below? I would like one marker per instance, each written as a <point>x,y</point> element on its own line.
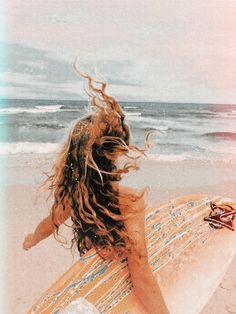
<point>46,262</point>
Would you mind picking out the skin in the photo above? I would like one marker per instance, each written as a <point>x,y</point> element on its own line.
<point>145,285</point>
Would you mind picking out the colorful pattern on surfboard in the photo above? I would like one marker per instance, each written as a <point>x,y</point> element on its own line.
<point>170,230</point>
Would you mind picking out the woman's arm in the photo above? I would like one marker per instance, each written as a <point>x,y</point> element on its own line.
<point>46,227</point>
<point>145,285</point>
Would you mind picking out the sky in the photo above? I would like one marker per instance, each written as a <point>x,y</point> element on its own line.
<point>162,50</point>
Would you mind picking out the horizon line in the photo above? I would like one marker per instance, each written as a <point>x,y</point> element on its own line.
<point>127,101</point>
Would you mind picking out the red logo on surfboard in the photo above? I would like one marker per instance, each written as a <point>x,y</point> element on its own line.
<point>221,216</point>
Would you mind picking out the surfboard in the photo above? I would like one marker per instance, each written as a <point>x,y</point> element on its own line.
<point>187,255</point>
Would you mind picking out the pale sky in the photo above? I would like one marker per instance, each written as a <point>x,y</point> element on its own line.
<point>178,51</point>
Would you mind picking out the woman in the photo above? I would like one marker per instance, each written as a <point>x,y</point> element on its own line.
<point>85,187</point>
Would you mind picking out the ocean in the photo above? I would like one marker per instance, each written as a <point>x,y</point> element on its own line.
<point>180,131</point>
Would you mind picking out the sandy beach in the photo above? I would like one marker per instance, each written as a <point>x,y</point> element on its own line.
<point>28,274</point>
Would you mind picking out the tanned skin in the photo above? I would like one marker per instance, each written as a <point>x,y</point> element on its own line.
<point>145,286</point>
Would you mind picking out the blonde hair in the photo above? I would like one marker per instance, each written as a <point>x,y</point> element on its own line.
<point>85,174</point>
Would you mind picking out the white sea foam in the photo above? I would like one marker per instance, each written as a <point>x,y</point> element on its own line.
<point>136,117</point>
<point>28,148</point>
<point>130,107</point>
<point>50,148</point>
<point>133,113</point>
<point>51,107</point>
<point>29,110</point>
<point>18,110</point>
<point>152,122</point>
<point>36,109</point>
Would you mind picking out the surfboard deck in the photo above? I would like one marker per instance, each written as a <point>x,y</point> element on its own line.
<point>187,256</point>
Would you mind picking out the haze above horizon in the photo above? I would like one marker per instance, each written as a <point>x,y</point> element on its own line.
<point>165,51</point>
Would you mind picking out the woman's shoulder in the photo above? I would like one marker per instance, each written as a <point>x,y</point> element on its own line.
<point>131,200</point>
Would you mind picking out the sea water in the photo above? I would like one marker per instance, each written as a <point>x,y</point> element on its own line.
<point>179,131</point>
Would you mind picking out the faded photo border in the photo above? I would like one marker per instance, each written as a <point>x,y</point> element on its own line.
<point>154,52</point>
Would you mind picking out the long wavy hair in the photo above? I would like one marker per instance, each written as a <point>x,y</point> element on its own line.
<point>86,174</point>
